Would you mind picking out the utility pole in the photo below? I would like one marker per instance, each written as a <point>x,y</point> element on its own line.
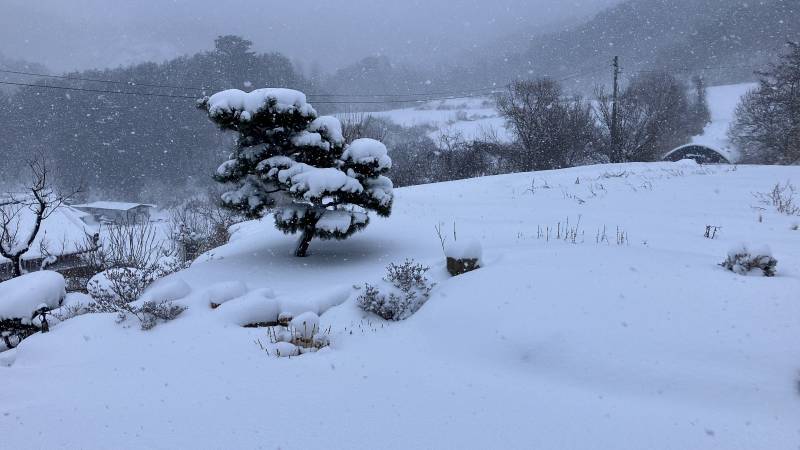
<point>616,152</point>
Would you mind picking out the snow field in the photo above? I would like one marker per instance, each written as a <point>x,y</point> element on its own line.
<point>551,344</point>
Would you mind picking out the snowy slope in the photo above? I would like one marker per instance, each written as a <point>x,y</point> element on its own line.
<point>474,117</point>
<point>722,102</point>
<point>552,344</point>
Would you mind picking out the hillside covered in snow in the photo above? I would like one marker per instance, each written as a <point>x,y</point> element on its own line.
<point>476,118</point>
<point>600,318</point>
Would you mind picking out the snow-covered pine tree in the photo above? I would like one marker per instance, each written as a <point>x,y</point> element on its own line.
<point>295,164</point>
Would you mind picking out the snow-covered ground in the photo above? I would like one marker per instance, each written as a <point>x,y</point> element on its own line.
<point>473,118</point>
<point>638,341</point>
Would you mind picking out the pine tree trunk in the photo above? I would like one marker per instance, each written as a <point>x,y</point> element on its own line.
<point>305,240</point>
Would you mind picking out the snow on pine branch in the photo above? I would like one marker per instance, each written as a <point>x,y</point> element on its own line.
<point>313,182</point>
<point>368,152</point>
<point>246,104</point>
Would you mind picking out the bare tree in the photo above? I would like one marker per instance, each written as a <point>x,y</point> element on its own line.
<point>552,129</point>
<point>133,255</point>
<point>767,125</point>
<point>357,125</point>
<point>653,117</point>
<point>200,224</point>
<point>39,199</point>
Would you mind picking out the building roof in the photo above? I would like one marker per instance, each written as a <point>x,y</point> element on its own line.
<point>694,147</point>
<point>114,206</point>
<point>63,231</point>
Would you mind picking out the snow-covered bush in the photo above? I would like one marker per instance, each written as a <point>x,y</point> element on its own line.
<point>743,261</point>
<point>402,293</point>
<point>199,225</point>
<point>75,304</point>
<point>295,164</point>
<point>25,302</point>
<point>302,335</point>
<point>131,258</point>
<point>112,292</point>
<point>149,313</point>
<point>782,198</point>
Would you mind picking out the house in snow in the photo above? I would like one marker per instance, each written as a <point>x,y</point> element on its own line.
<point>117,212</point>
<point>63,237</point>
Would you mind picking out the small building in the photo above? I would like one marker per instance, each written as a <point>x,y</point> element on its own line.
<point>117,212</point>
<point>64,236</point>
<point>703,154</point>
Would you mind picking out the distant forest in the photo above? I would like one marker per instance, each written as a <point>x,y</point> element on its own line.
<point>153,144</point>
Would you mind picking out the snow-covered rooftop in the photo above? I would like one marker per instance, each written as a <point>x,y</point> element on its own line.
<point>117,206</point>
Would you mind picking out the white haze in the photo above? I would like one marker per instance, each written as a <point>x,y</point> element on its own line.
<point>76,34</point>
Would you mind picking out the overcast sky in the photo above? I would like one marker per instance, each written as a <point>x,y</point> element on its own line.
<point>70,34</point>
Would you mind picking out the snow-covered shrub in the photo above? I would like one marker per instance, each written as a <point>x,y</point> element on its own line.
<point>132,257</point>
<point>402,293</point>
<point>199,225</point>
<point>782,198</point>
<point>153,305</point>
<point>292,163</point>
<point>149,313</point>
<point>25,302</point>
<point>75,304</point>
<point>302,335</point>
<point>741,260</point>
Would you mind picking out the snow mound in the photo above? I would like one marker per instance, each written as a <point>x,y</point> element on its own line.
<point>225,291</point>
<point>21,296</point>
<point>259,306</point>
<point>368,151</point>
<point>247,104</point>
<point>463,249</point>
<point>305,325</point>
<point>166,290</point>
<point>77,300</point>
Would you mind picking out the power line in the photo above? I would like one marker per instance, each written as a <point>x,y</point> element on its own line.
<point>191,88</point>
<point>424,97</point>
<point>98,80</point>
<point>99,91</point>
<point>686,69</point>
<point>155,94</point>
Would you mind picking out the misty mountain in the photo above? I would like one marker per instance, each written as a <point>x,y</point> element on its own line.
<point>730,36</point>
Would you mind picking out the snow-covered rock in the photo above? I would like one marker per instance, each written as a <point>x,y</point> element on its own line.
<point>20,297</point>
<point>463,249</point>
